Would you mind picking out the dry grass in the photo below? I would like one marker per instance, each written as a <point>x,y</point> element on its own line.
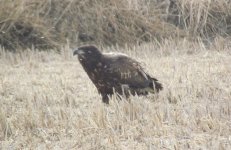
<point>46,24</point>
<point>48,102</point>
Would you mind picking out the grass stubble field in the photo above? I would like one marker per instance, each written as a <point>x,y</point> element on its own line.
<point>48,102</point>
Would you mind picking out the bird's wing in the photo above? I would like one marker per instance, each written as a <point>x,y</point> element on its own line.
<point>124,70</point>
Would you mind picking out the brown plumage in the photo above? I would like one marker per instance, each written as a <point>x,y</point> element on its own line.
<point>116,73</point>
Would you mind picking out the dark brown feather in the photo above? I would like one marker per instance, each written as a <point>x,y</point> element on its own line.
<point>118,73</point>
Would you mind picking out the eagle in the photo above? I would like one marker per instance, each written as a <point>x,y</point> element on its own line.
<point>115,73</point>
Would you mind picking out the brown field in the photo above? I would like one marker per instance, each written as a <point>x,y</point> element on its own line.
<point>48,102</point>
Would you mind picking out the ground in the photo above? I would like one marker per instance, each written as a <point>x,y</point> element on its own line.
<point>48,102</point>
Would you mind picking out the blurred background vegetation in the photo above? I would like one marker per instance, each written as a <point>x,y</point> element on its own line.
<point>48,24</point>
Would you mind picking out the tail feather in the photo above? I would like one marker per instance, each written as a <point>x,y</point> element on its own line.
<point>156,85</point>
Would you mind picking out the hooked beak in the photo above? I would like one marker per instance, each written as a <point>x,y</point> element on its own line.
<point>78,52</point>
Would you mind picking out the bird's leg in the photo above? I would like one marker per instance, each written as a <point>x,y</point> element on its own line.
<point>105,98</point>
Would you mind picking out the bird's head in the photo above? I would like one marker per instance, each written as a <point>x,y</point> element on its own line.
<point>89,53</point>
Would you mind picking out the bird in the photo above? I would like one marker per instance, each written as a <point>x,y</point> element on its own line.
<point>113,73</point>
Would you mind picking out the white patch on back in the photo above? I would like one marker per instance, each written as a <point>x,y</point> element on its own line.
<point>112,54</point>
<point>125,75</point>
